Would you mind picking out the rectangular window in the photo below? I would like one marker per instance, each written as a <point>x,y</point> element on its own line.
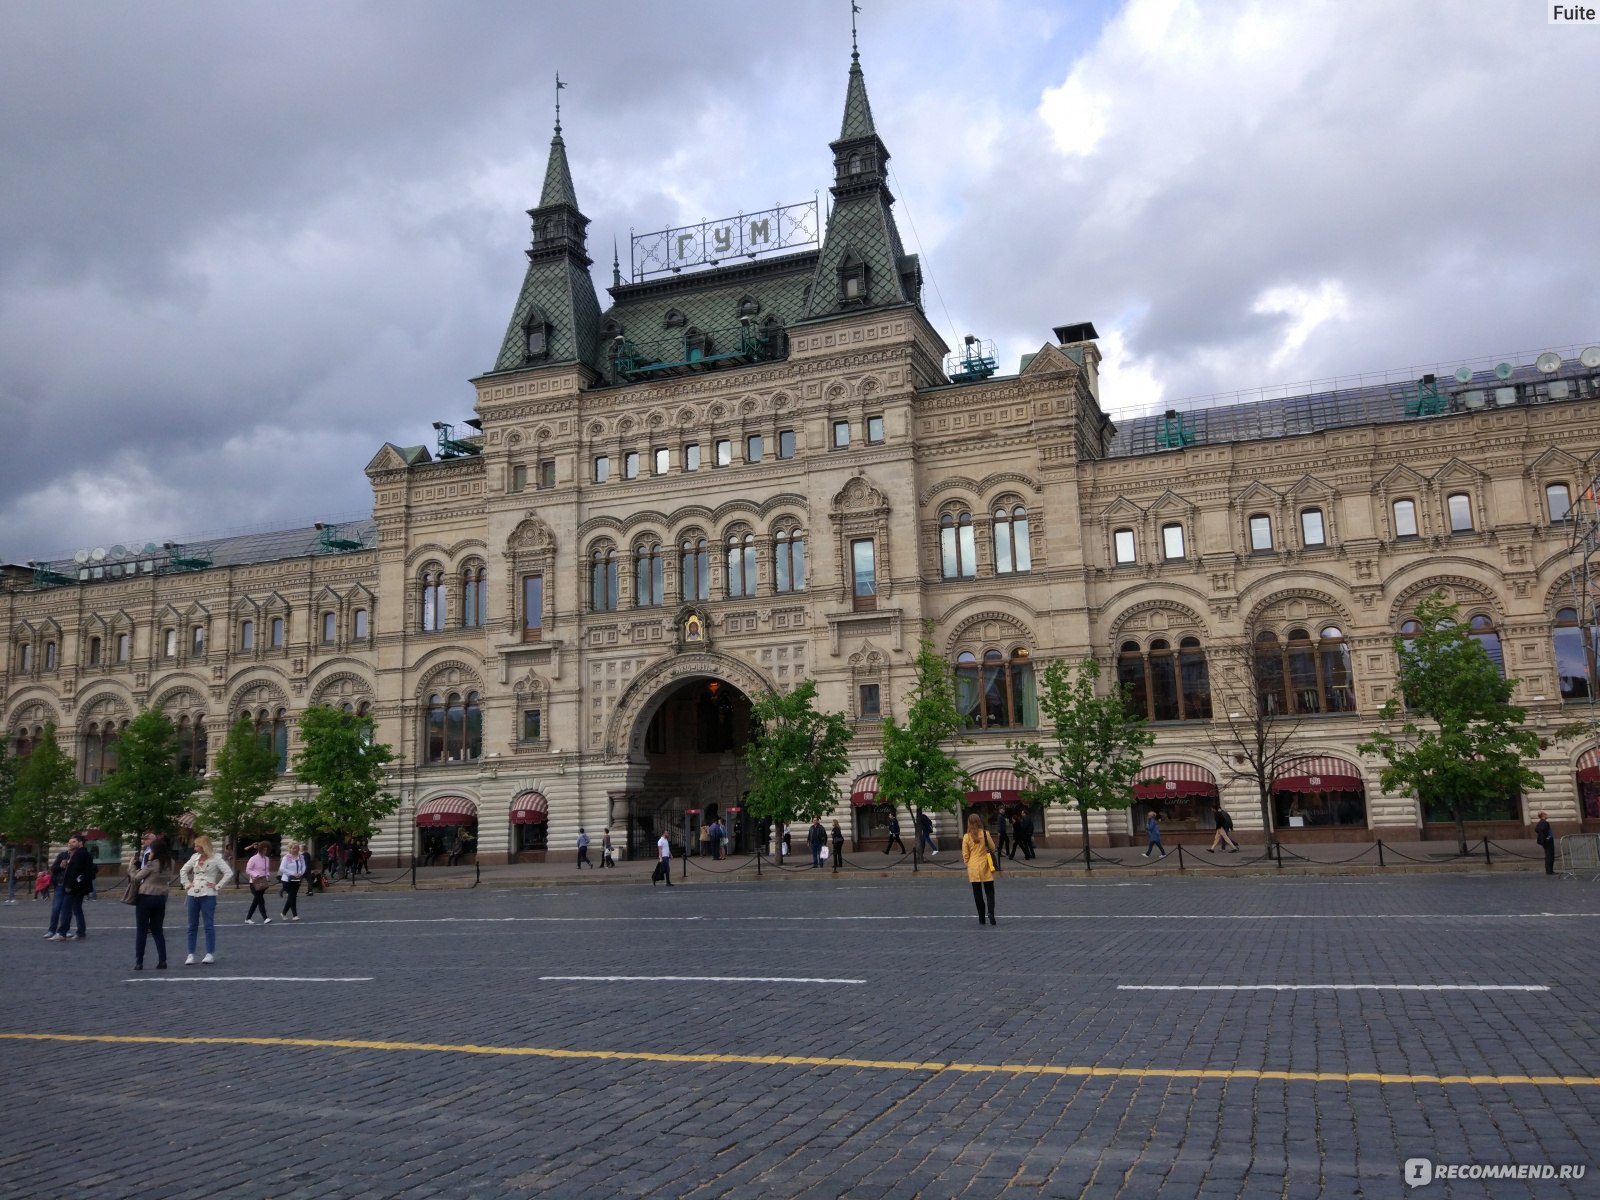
<point>630,465</point>
<point>169,643</point>
<point>663,460</point>
<point>197,639</point>
<point>247,635</point>
<point>1559,501</point>
<point>532,727</point>
<point>752,448</point>
<point>602,468</point>
<point>870,700</point>
<point>1405,519</point>
<point>724,452</point>
<point>519,478</point>
<point>1260,532</point>
<point>94,652</point>
<point>785,443</point>
<point>360,625</point>
<point>1172,541</point>
<point>547,473</point>
<point>532,607</point>
<point>49,656</point>
<point>1312,532</point>
<point>874,429</point>
<point>25,657</point>
<point>864,575</point>
<point>841,434</point>
<point>1122,539</point>
<point>330,627</point>
<point>277,632</point>
<point>691,456</point>
<point>124,647</point>
<point>1460,506</point>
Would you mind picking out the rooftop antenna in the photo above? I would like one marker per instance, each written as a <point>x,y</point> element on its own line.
<point>616,265</point>
<point>559,86</point>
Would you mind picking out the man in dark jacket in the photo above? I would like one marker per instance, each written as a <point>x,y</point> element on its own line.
<point>58,901</point>
<point>77,883</point>
<point>894,835</point>
<point>817,838</point>
<point>1546,838</point>
<point>1024,834</point>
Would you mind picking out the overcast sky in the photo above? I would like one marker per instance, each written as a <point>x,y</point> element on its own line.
<point>243,245</point>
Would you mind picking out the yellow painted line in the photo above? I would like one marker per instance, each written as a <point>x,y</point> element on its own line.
<point>803,1060</point>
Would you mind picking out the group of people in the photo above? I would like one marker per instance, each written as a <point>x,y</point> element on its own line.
<point>924,827</point>
<point>608,852</point>
<point>824,844</point>
<point>713,839</point>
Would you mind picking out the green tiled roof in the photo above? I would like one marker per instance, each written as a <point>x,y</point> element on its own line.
<point>557,176</point>
<point>711,299</point>
<point>857,109</point>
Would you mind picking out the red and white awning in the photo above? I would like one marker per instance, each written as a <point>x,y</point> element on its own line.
<point>530,808</point>
<point>864,792</point>
<point>1173,781</point>
<point>1589,766</point>
<point>1318,775</point>
<point>447,810</point>
<point>996,785</point>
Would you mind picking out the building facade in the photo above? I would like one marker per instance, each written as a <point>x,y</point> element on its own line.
<point>742,476</point>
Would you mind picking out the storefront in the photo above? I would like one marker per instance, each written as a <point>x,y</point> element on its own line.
<point>530,826</point>
<point>1317,798</point>
<point>1183,796</point>
<point>447,830</point>
<point>997,791</point>
<point>870,819</point>
<point>1589,788</point>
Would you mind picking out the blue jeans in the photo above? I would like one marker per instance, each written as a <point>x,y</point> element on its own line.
<point>203,906</point>
<point>72,908</point>
<point>57,903</point>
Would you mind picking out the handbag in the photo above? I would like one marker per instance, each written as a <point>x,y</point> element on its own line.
<point>130,891</point>
<point>994,857</point>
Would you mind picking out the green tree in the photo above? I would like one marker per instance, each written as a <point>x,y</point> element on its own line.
<point>795,757</point>
<point>146,791</point>
<point>243,771</point>
<point>1461,741</point>
<point>1098,746</point>
<point>46,804</point>
<point>918,771</point>
<point>342,762</point>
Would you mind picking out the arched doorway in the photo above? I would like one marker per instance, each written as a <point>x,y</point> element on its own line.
<point>1320,799</point>
<point>693,751</point>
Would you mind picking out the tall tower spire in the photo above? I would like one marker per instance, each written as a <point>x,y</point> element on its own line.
<point>557,315</point>
<point>862,263</point>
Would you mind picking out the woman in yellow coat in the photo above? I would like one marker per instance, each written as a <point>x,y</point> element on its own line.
<point>976,847</point>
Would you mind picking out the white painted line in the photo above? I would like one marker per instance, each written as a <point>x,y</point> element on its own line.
<point>1098,885</point>
<point>688,979</point>
<point>1332,987</point>
<point>253,979</point>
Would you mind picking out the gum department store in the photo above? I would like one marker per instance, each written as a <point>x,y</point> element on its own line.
<point>772,468</point>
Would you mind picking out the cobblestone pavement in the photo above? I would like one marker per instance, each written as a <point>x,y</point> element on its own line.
<point>923,1055</point>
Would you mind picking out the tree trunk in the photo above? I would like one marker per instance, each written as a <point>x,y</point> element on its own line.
<point>1083,815</point>
<point>1461,830</point>
<point>1267,826</point>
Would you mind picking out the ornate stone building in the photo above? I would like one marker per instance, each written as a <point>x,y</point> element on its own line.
<point>770,469</point>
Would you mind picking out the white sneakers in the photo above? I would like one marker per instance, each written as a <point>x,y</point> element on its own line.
<point>266,920</point>
<point>189,962</point>
<point>209,959</point>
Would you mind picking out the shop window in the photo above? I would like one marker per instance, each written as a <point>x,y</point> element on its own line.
<point>1013,552</point>
<point>789,561</point>
<point>996,692</point>
<point>1123,546</point>
<point>958,556</point>
<point>1405,518</point>
<point>1260,533</point>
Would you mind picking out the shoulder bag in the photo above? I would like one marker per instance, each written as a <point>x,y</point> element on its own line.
<point>130,891</point>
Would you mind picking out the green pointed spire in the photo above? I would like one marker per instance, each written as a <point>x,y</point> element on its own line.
<point>857,109</point>
<point>557,176</point>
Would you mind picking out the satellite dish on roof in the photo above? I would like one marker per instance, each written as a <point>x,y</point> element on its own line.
<point>1548,363</point>
<point>1590,357</point>
<point>98,554</point>
<point>1463,374</point>
<point>118,552</point>
<point>80,556</point>
<point>1502,370</point>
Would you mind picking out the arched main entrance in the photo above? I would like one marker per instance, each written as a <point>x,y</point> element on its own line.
<point>693,752</point>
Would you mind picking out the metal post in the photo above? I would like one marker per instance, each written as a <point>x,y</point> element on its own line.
<point>1277,849</point>
<point>11,878</point>
<point>1180,856</point>
<point>1487,860</point>
<point>1380,852</point>
<point>477,871</point>
<point>685,875</point>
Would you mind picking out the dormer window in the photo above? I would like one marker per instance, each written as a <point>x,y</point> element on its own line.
<point>855,164</point>
<point>674,319</point>
<point>536,334</point>
<point>748,307</point>
<point>852,280</point>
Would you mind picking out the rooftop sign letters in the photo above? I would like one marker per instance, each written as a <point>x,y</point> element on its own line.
<point>711,242</point>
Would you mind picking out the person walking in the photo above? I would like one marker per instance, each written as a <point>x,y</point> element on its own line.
<point>837,837</point>
<point>1547,841</point>
<point>608,852</point>
<point>258,874</point>
<point>1024,833</point>
<point>1224,835</point>
<point>1003,833</point>
<point>58,902</point>
<point>705,840</point>
<point>153,869</point>
<point>291,873</point>
<point>583,850</point>
<point>1152,830</point>
<point>77,880</point>
<point>816,838</point>
<point>977,851</point>
<point>925,833</point>
<point>663,861</point>
<point>201,876</point>
<point>894,834</point>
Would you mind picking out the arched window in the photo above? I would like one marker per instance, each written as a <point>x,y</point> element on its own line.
<point>789,561</point>
<point>272,729</point>
<point>649,575</point>
<point>741,565</point>
<point>695,567</point>
<point>958,557</point>
<point>474,597</point>
<point>191,743</point>
<point>1269,673</point>
<point>998,692</point>
<point>435,598</point>
<point>453,730</point>
<point>603,579</point>
<point>1164,684</point>
<point>1484,633</point>
<point>100,749</point>
<point>1337,671</point>
<point>1302,675</point>
<point>1574,647</point>
<point>1013,553</point>
<point>359,624</point>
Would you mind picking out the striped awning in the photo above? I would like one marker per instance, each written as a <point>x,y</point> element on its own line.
<point>186,821</point>
<point>95,835</point>
<point>530,808</point>
<point>447,810</point>
<point>1173,781</point>
<point>996,785</point>
<point>1589,766</point>
<point>864,792</point>
<point>1318,775</point>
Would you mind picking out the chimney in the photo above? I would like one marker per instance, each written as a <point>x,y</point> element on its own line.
<point>1078,340</point>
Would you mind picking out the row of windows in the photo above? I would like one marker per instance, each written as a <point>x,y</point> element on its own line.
<point>691,457</point>
<point>741,561</point>
<point>958,544</point>
<point>1314,530</point>
<point>194,643</point>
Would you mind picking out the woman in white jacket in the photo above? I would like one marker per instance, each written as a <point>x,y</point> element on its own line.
<point>201,876</point>
<point>291,871</point>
